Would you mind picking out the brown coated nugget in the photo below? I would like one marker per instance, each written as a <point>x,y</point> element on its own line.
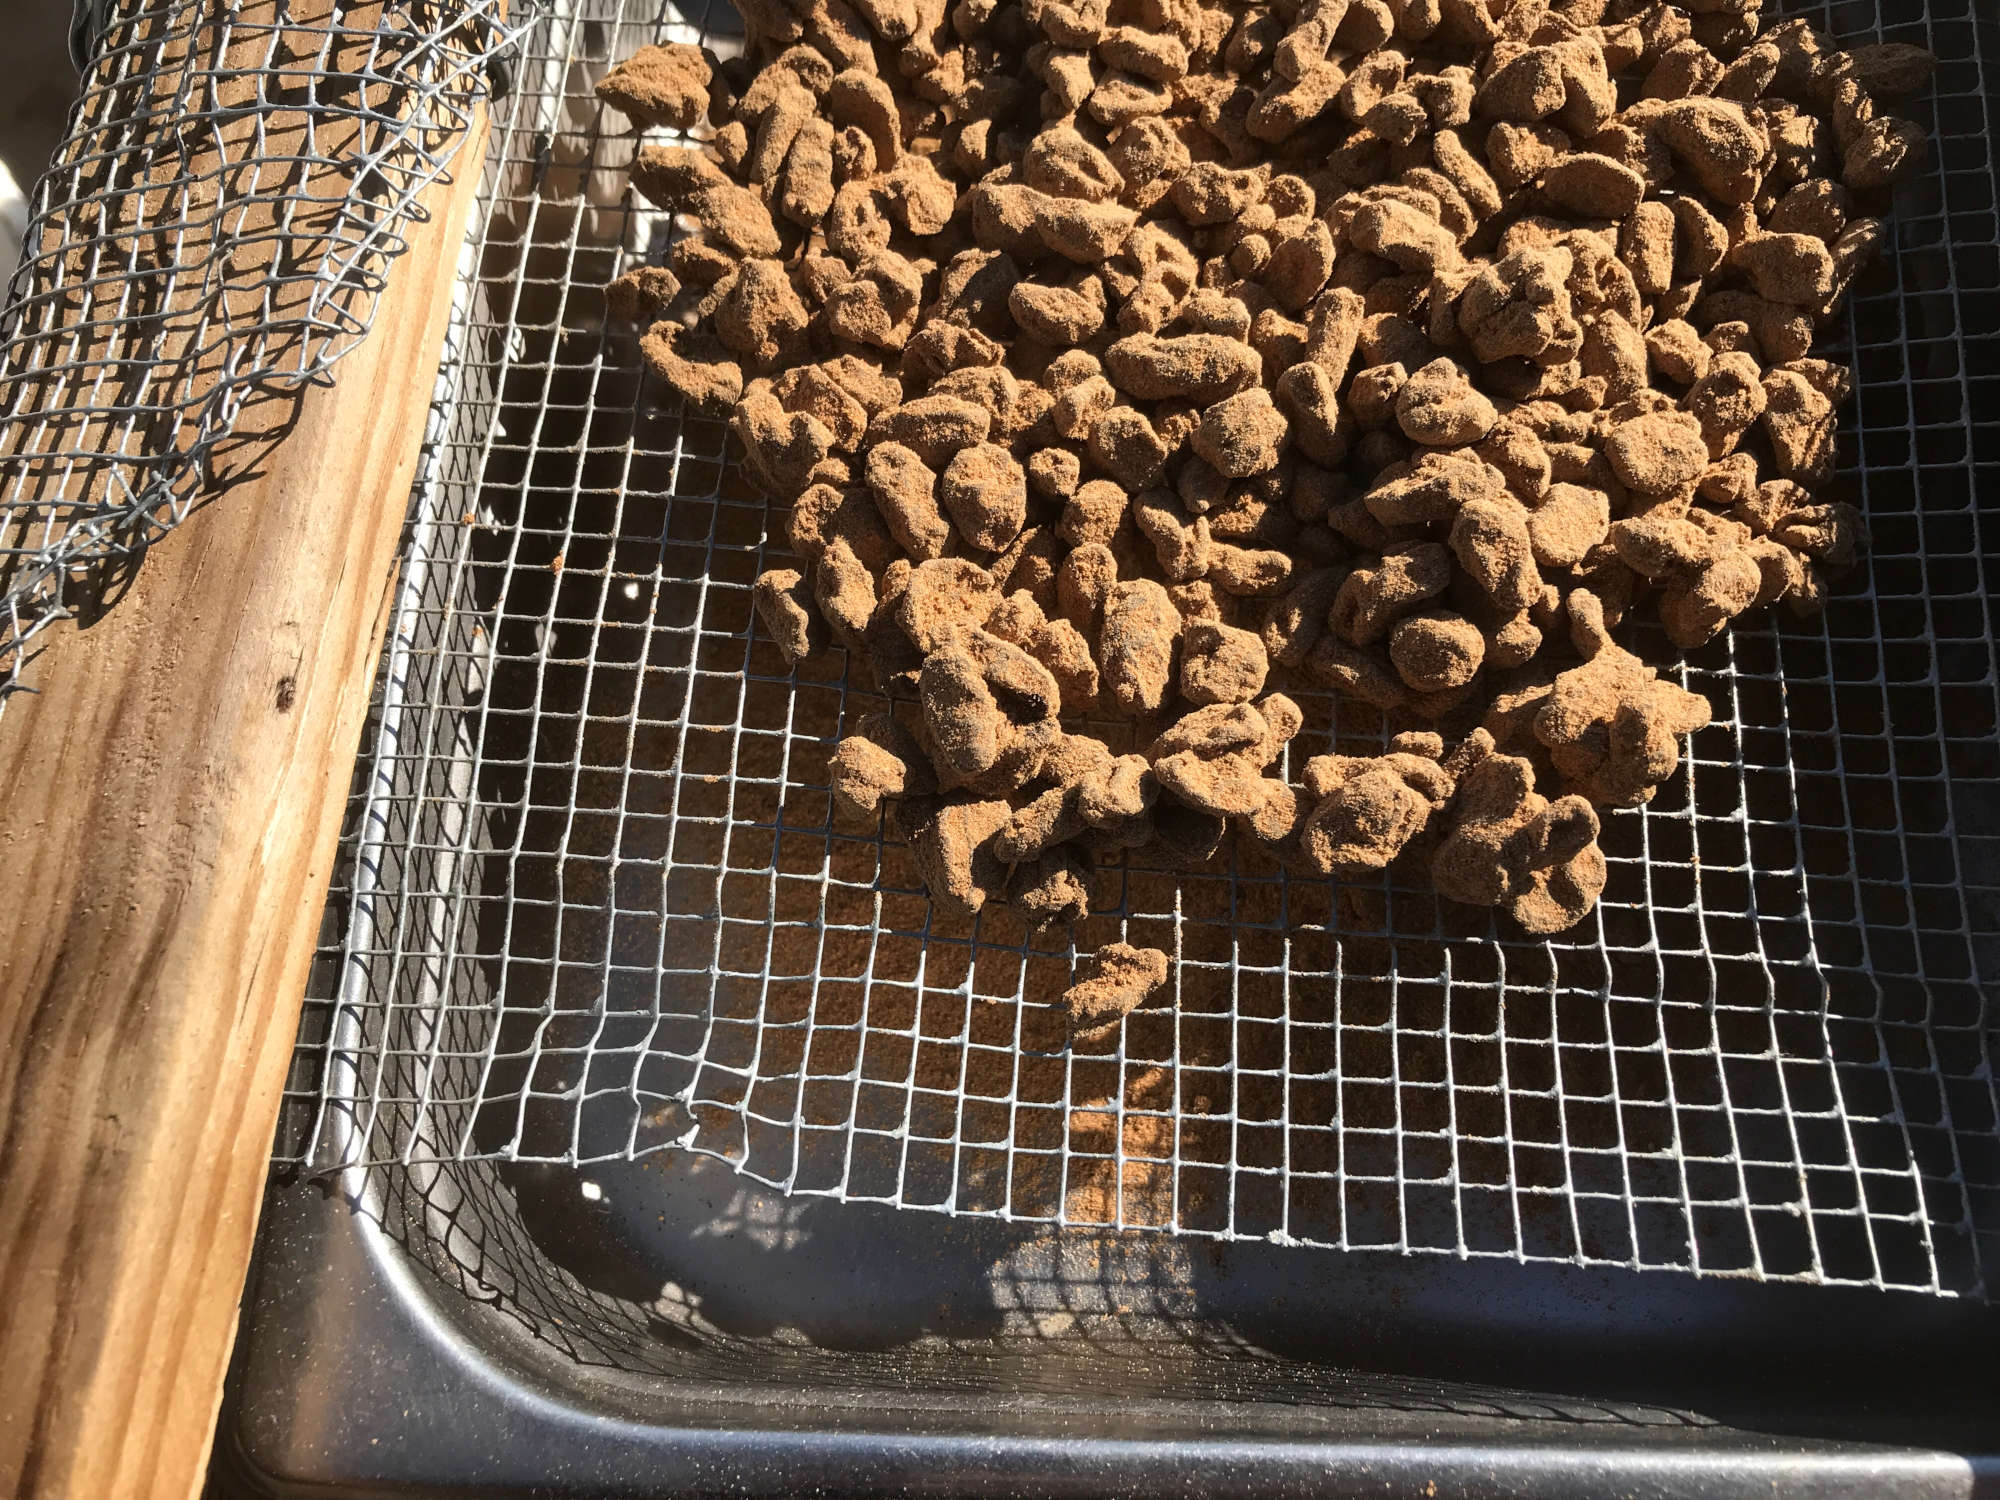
<point>784,604</point>
<point>1136,645</point>
<point>1221,664</point>
<point>953,846</point>
<point>880,762</point>
<point>986,493</point>
<point>1115,981</point>
<point>1367,809</point>
<point>1242,435</point>
<point>1510,847</point>
<point>666,85</point>
<point>1052,888</point>
<point>1612,727</point>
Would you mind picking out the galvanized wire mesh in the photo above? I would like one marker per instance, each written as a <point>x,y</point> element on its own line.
<point>596,905</point>
<point>236,179</point>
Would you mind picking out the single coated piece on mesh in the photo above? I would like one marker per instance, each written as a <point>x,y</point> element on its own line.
<point>211,237</point>
<point>595,903</point>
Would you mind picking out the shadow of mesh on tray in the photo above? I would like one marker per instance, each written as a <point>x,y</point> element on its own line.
<point>596,906</point>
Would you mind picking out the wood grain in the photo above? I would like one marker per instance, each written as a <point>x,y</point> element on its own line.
<point>169,808</point>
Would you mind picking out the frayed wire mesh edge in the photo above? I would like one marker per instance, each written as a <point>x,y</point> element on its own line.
<point>210,238</point>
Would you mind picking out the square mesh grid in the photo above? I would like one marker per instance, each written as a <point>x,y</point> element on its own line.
<point>596,904</point>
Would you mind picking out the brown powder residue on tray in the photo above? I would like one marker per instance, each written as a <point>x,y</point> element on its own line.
<point>1116,367</point>
<point>1124,1176</point>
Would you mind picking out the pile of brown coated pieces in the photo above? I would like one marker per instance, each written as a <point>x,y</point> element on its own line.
<point>1119,357</point>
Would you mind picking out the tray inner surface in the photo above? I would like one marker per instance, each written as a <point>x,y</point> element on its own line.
<point>595,908</point>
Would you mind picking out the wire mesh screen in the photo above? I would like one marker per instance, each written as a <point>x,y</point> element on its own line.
<point>598,903</point>
<point>236,179</point>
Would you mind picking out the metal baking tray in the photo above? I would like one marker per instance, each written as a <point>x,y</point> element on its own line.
<point>801,1347</point>
<point>586,1187</point>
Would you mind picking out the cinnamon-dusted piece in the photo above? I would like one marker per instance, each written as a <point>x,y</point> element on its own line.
<point>953,841</point>
<point>666,86</point>
<point>784,604</point>
<point>1611,725</point>
<point>1214,758</point>
<point>880,762</point>
<point>1114,981</point>
<point>1365,810</point>
<point>1509,846</point>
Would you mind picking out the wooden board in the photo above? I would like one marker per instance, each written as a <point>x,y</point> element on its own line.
<point>169,808</point>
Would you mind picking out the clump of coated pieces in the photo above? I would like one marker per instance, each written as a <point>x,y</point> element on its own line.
<point>1136,359</point>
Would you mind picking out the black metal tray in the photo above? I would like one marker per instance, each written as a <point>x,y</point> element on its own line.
<point>813,1347</point>
<point>654,1323</point>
